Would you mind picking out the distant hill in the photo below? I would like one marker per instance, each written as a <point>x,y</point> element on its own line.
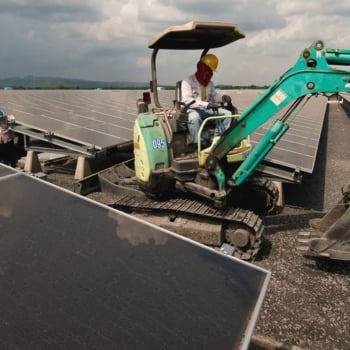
<point>34,82</point>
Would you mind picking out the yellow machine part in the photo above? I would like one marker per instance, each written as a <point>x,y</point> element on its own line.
<point>142,166</point>
<point>237,154</point>
<point>150,146</point>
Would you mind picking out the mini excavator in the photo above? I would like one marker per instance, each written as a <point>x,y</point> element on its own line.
<point>216,187</point>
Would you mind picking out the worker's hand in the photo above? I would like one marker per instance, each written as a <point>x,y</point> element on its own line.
<point>226,99</point>
<point>213,105</point>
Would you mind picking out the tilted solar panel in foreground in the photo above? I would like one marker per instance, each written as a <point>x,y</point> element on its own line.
<point>75,274</point>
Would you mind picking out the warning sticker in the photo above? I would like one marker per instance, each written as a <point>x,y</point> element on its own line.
<point>278,97</point>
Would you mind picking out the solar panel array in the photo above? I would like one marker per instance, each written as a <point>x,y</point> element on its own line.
<point>75,274</point>
<point>98,120</point>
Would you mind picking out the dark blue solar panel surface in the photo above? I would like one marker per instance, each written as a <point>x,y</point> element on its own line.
<point>75,274</point>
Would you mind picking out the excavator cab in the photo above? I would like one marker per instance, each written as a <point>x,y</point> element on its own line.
<point>163,154</point>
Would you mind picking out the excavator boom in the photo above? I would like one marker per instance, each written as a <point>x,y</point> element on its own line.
<point>312,74</point>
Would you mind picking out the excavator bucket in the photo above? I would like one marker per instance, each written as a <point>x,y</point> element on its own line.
<point>329,236</point>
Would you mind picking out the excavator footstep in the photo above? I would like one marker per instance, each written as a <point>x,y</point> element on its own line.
<point>303,241</point>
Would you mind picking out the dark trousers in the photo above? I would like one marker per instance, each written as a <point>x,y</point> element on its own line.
<point>8,154</point>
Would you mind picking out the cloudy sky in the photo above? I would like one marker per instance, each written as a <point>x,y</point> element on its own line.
<point>107,39</point>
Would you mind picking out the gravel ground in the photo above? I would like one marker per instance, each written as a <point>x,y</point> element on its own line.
<point>308,302</point>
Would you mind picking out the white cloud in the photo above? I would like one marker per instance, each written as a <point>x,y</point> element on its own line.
<point>107,39</point>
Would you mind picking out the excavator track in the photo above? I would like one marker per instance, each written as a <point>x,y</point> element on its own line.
<point>233,230</point>
<point>258,195</point>
<point>241,228</point>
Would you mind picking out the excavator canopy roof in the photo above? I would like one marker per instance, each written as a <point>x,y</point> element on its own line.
<point>197,35</point>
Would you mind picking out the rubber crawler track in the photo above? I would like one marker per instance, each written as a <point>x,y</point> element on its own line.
<point>230,216</point>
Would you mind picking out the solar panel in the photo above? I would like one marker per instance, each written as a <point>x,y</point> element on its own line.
<point>75,274</point>
<point>6,170</point>
<point>297,149</point>
<point>95,119</point>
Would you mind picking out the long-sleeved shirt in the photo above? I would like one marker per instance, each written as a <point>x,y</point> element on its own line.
<point>191,90</point>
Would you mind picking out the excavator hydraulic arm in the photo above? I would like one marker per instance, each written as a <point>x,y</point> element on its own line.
<point>311,75</point>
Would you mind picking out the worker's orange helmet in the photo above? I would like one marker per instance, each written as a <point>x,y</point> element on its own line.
<point>211,61</point>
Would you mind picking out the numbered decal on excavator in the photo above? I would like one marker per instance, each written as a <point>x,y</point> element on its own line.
<point>158,143</point>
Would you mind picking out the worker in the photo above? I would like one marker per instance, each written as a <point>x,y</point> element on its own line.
<point>7,136</point>
<point>207,102</point>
